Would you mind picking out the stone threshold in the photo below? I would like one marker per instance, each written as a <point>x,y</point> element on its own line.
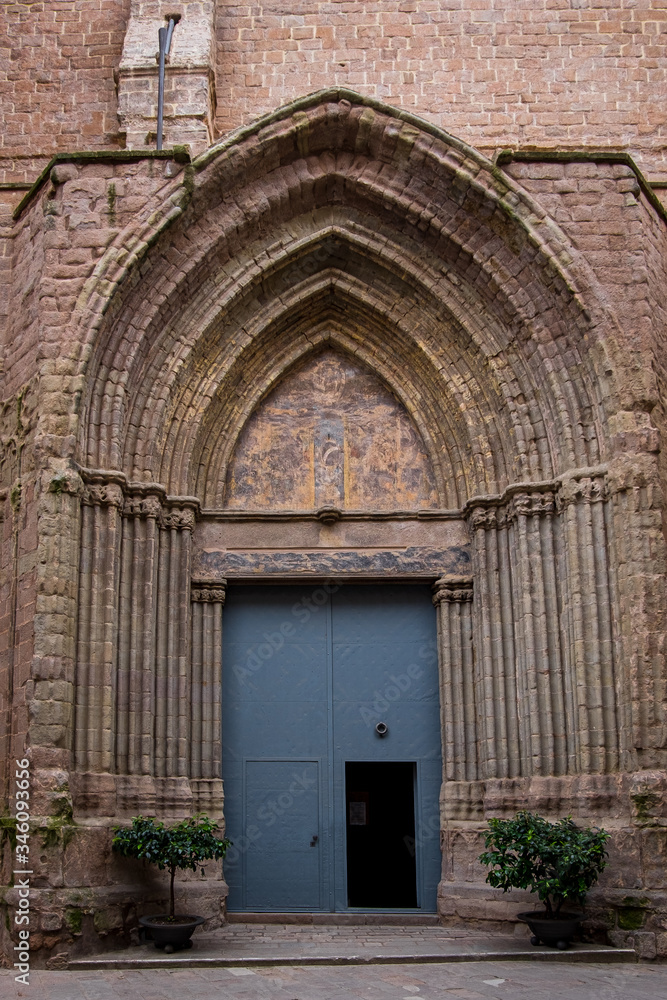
<point>338,919</point>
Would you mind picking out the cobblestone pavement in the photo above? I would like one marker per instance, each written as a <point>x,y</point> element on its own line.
<point>466,981</point>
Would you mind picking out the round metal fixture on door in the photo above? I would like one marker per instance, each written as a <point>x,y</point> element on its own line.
<point>382,729</point>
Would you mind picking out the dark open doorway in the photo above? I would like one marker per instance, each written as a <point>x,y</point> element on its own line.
<point>380,808</point>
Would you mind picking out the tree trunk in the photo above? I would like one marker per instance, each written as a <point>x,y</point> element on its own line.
<point>171,892</point>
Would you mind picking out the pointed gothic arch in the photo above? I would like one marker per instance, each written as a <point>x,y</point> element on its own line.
<point>338,223</point>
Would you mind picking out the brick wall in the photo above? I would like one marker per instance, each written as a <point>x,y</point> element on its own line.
<point>565,73</point>
<point>561,73</point>
<point>57,89</point>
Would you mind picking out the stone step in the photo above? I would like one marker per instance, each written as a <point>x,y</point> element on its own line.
<point>267,943</point>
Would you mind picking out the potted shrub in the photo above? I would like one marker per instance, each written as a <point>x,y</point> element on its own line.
<point>559,861</point>
<point>183,845</point>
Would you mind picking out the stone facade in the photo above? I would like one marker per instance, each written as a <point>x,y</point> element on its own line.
<point>501,306</point>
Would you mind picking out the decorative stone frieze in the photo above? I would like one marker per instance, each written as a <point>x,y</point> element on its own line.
<point>531,504</point>
<point>487,518</point>
<point>142,506</point>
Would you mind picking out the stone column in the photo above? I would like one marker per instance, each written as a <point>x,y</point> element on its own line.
<point>495,648</point>
<point>95,711</point>
<point>539,662</point>
<point>173,684</point>
<point>208,599</point>
<point>586,600</point>
<point>137,634</point>
<point>452,596</point>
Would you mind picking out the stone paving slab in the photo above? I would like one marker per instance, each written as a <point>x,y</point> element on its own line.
<point>272,944</point>
<point>486,980</point>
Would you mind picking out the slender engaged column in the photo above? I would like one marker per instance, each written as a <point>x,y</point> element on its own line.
<point>452,596</point>
<point>587,620</point>
<point>208,599</point>
<point>95,725</point>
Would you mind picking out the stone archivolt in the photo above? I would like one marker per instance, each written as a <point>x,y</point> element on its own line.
<point>453,305</point>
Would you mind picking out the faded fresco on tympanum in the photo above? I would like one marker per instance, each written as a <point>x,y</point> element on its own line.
<point>330,433</point>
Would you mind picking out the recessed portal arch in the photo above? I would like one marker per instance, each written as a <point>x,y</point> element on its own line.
<point>416,259</point>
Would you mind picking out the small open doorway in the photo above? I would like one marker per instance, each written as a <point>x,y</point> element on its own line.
<point>380,808</point>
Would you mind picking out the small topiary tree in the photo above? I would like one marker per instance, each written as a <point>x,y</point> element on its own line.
<point>183,845</point>
<point>558,861</point>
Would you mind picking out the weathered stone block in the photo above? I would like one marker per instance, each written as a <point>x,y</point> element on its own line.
<point>86,857</point>
<point>654,858</point>
<point>50,921</point>
<point>648,798</point>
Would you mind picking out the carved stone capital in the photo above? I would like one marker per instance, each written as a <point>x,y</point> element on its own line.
<point>182,518</point>
<point>487,518</point>
<point>588,489</point>
<point>104,495</point>
<point>531,504</point>
<point>452,588</point>
<point>208,591</point>
<point>142,506</point>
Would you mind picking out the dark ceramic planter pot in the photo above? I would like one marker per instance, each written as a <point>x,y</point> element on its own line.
<point>171,937</point>
<point>555,933</point>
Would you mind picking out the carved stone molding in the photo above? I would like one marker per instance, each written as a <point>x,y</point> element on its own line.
<point>208,591</point>
<point>452,588</point>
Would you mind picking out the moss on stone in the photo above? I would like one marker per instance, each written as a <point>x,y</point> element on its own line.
<point>111,202</point>
<point>644,802</point>
<point>60,827</point>
<point>632,913</point>
<point>74,919</point>
<point>8,830</point>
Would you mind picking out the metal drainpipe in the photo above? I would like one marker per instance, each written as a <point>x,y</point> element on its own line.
<point>164,36</point>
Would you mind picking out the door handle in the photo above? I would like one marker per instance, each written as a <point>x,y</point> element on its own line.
<point>314,840</point>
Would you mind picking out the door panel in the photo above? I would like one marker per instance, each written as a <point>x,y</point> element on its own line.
<point>281,867</point>
<point>306,677</point>
<point>385,670</point>
<point>275,683</point>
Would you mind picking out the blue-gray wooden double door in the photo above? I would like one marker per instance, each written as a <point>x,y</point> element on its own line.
<point>308,672</point>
